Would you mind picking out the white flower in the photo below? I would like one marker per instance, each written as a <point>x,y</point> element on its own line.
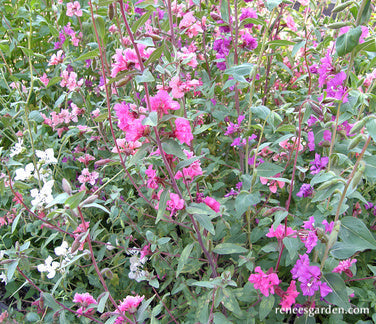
<point>137,272</point>
<point>3,278</point>
<point>44,175</point>
<point>24,174</point>
<point>49,266</point>
<point>62,250</point>
<point>46,156</point>
<point>17,148</point>
<point>44,196</point>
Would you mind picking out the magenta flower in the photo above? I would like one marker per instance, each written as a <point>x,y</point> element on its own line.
<point>129,304</point>
<point>183,131</point>
<point>311,141</point>
<point>319,163</point>
<point>264,282</point>
<point>305,190</point>
<point>175,203</point>
<point>279,232</point>
<point>212,203</point>
<point>248,13</point>
<point>344,266</point>
<point>162,103</point>
<point>288,298</point>
<point>85,300</point>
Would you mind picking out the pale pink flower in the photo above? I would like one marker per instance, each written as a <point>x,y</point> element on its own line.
<point>86,176</point>
<point>291,23</point>
<point>85,300</point>
<point>74,9</point>
<point>187,20</point>
<point>279,232</point>
<point>56,58</point>
<point>44,79</point>
<point>272,183</point>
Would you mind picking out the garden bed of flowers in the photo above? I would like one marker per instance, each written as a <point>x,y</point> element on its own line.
<point>192,161</point>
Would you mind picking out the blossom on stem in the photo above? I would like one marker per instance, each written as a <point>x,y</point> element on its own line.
<point>288,298</point>
<point>212,203</point>
<point>74,9</point>
<point>264,282</point>
<point>344,266</point>
<point>183,131</point>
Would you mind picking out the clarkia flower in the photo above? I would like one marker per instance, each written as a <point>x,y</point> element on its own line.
<point>264,282</point>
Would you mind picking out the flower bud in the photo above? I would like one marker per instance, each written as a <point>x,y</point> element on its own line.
<point>111,11</point>
<point>355,141</point>
<point>66,186</point>
<point>334,234</point>
<point>107,273</point>
<point>89,200</point>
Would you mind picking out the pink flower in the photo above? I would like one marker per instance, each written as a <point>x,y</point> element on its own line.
<point>175,203</point>
<point>212,203</point>
<point>290,23</point>
<point>311,141</point>
<point>344,266</point>
<point>56,58</point>
<point>290,144</point>
<point>264,282</point>
<point>84,299</point>
<point>44,79</point>
<point>130,304</point>
<point>279,232</point>
<point>162,103</point>
<point>74,9</point>
<point>191,171</point>
<point>183,131</point>
<point>288,298</point>
<point>272,183</point>
<point>86,176</point>
<point>187,20</point>
<point>152,178</point>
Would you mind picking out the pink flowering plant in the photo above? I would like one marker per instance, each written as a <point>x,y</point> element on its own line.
<point>188,161</point>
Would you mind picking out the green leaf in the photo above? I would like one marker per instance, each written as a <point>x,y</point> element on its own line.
<point>229,248</point>
<point>75,200</point>
<point>54,80</point>
<point>371,128</point>
<point>140,154</point>
<point>268,169</point>
<point>261,112</point>
<point>286,128</point>
<point>162,205</point>
<point>370,171</point>
<point>142,313</point>
<point>50,301</point>
<point>15,222</point>
<point>224,11</point>
<point>240,71</point>
<point>208,284</point>
<point>338,296</point>
<point>201,209</point>
<point>348,41</point>
<point>95,205</point>
<point>102,302</point>
<point>36,116</point>
<point>155,55</point>
<point>101,26</point>
<point>271,4</point>
<point>86,56</point>
<point>141,21</point>
<point>185,163</point>
<point>366,14</point>
<point>244,200</point>
<point>368,46</point>
<point>355,237</point>
<point>205,221</point>
<point>230,302</point>
<point>292,245</point>
<point>184,258</point>
<point>266,306</point>
<point>11,268</point>
<point>151,120</point>
<point>172,147</point>
<point>145,77</point>
<point>279,43</point>
<point>32,317</point>
<point>297,47</point>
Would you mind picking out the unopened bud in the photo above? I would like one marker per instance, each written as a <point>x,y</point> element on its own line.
<point>215,16</point>
<point>87,256</point>
<point>358,126</point>
<point>358,175</point>
<point>328,184</point>
<point>338,25</point>
<point>334,234</point>
<point>124,81</point>
<point>355,141</point>
<point>66,186</point>
<point>89,200</point>
<point>103,162</point>
<point>111,11</point>
<point>316,109</point>
<point>342,6</point>
<point>7,261</point>
<point>107,273</point>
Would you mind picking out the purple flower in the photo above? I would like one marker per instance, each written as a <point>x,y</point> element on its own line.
<point>305,190</point>
<point>221,65</point>
<point>309,224</point>
<point>319,163</point>
<point>222,46</point>
<point>311,241</point>
<point>248,13</point>
<point>299,268</point>
<point>250,42</point>
<point>328,227</point>
<point>311,141</point>
<point>231,193</point>
<point>368,205</point>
